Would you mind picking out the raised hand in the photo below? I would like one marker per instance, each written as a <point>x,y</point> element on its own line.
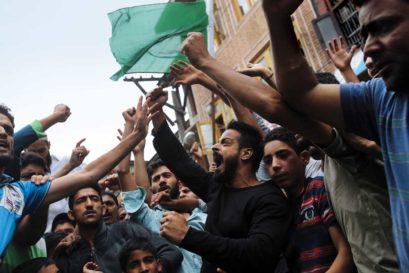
<point>185,73</point>
<point>129,115</point>
<point>194,47</point>
<point>255,70</point>
<point>66,244</point>
<point>91,267</point>
<point>62,112</point>
<point>142,117</point>
<point>339,55</point>
<point>40,179</point>
<point>162,198</point>
<point>111,182</point>
<point>196,151</point>
<point>157,99</point>
<point>78,154</point>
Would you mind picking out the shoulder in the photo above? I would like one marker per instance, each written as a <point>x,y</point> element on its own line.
<point>269,195</point>
<point>315,183</point>
<point>375,85</point>
<point>129,229</point>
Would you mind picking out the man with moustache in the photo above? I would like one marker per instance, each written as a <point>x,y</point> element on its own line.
<point>247,222</point>
<point>21,198</point>
<point>100,243</point>
<point>377,109</point>
<point>111,212</point>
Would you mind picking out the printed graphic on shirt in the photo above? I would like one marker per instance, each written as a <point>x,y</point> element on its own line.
<point>12,199</point>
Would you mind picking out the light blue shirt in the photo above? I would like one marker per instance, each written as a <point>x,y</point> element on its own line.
<point>372,111</point>
<point>139,211</point>
<point>16,200</point>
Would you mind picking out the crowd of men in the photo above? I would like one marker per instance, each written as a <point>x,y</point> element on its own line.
<point>324,191</point>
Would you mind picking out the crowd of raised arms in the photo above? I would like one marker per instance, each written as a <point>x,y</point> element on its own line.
<point>325,190</point>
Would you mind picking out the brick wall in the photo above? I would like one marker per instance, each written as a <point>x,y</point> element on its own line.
<point>246,38</point>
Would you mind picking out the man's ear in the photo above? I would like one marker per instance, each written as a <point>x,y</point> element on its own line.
<point>305,157</point>
<point>159,265</point>
<point>246,153</point>
<point>70,215</point>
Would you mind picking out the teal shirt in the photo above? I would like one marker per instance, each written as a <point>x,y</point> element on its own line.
<point>139,211</point>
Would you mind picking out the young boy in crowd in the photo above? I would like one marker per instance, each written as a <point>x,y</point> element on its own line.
<point>139,255</point>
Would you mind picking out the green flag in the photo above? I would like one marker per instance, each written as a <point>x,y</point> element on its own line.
<point>148,38</point>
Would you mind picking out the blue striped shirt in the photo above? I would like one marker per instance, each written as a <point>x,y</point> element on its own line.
<point>370,110</point>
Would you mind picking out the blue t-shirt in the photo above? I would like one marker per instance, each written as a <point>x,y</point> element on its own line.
<point>16,200</point>
<point>373,112</point>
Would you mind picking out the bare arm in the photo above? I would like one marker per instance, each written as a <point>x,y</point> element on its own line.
<point>254,94</point>
<point>244,114</point>
<point>296,80</point>
<point>343,262</point>
<point>125,178</point>
<point>68,184</point>
<point>32,227</point>
<point>129,183</point>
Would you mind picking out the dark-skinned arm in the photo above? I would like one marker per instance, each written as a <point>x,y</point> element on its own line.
<point>254,94</point>
<point>296,80</point>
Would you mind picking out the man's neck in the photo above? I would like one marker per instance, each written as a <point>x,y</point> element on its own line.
<point>244,179</point>
<point>88,233</point>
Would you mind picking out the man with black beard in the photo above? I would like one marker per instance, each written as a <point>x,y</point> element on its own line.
<point>247,222</point>
<point>162,179</point>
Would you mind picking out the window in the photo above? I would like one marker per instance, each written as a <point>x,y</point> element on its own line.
<point>241,7</point>
<point>347,17</point>
<point>264,57</point>
<point>342,19</point>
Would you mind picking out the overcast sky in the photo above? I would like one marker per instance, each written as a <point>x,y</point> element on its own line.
<point>58,52</point>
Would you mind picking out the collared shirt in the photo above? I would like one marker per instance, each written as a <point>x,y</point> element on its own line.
<point>140,212</point>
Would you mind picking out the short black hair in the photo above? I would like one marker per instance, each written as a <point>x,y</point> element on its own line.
<point>6,111</point>
<point>251,138</point>
<point>61,219</point>
<point>326,78</point>
<point>139,243</point>
<point>28,158</point>
<point>33,265</point>
<point>153,166</point>
<point>284,135</point>
<point>71,198</point>
<point>112,195</point>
